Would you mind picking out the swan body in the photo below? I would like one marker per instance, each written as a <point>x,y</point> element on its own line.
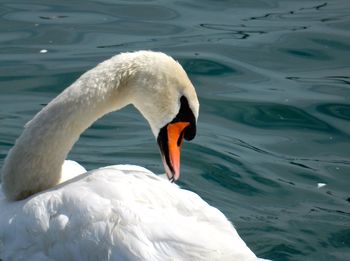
<point>118,212</point>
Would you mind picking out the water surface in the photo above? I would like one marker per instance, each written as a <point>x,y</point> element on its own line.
<point>273,79</point>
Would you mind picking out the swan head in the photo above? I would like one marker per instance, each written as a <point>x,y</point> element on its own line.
<point>165,96</point>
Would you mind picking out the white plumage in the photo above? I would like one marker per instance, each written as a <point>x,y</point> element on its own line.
<point>118,212</point>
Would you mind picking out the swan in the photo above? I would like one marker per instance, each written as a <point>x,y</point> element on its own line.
<point>53,209</point>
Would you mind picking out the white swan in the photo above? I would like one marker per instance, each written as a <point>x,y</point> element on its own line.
<point>117,212</point>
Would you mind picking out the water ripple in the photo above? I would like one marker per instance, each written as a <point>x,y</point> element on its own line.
<point>273,82</point>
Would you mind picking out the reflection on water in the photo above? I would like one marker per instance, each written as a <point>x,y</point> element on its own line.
<point>340,111</point>
<point>273,82</point>
<point>205,67</point>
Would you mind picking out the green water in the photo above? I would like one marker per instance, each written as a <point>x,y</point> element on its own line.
<point>273,79</point>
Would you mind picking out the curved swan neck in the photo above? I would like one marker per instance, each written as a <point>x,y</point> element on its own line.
<point>35,162</point>
<point>153,82</point>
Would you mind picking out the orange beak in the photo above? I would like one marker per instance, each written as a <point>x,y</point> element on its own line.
<point>170,141</point>
<point>171,135</point>
<point>175,138</point>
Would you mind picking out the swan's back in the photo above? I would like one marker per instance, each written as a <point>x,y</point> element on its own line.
<point>117,213</point>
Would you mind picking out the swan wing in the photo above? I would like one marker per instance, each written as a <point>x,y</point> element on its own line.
<point>118,212</point>
<point>71,169</point>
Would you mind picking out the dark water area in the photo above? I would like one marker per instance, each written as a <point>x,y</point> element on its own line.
<point>273,79</point>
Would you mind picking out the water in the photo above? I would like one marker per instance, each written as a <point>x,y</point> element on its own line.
<point>273,79</point>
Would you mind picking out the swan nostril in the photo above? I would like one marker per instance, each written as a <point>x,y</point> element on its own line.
<point>181,138</point>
